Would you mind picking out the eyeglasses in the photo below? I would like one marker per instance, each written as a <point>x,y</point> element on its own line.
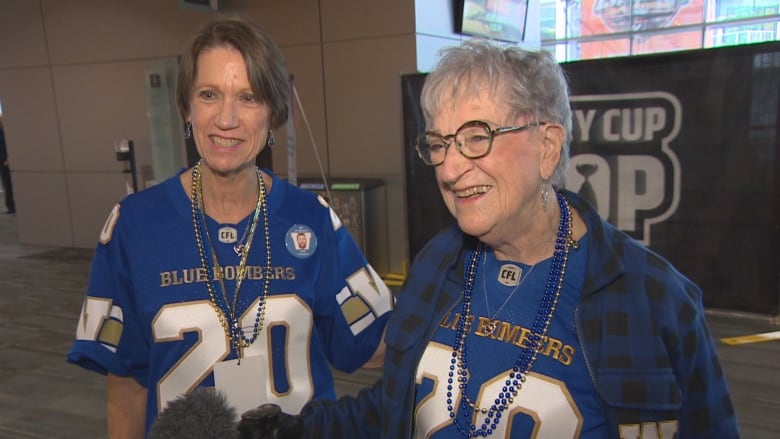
<point>473,139</point>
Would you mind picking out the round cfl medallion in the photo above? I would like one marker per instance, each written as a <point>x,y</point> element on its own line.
<point>510,275</point>
<point>227,235</point>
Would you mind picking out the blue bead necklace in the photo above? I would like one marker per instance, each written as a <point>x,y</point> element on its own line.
<point>227,312</point>
<point>459,361</point>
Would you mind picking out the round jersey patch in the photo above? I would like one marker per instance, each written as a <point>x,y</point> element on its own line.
<point>301,241</point>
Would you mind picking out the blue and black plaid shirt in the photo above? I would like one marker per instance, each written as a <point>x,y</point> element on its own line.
<point>640,324</point>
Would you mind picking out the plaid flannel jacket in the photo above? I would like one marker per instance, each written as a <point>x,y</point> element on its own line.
<point>640,323</point>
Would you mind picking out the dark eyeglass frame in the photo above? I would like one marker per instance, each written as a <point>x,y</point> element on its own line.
<point>449,138</point>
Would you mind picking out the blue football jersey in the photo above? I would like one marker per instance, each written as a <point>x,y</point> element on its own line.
<point>148,313</point>
<point>557,400</point>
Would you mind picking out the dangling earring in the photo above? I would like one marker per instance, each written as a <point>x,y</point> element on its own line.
<point>188,130</point>
<point>271,139</point>
<point>545,191</point>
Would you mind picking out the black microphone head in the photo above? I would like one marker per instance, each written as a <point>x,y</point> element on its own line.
<point>202,414</point>
<point>290,427</point>
<point>268,421</point>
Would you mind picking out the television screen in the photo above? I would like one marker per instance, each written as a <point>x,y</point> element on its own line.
<point>495,19</point>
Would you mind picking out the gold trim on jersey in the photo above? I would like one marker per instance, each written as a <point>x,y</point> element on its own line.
<point>110,332</point>
<point>354,308</point>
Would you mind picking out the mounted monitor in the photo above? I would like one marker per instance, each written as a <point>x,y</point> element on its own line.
<point>495,19</point>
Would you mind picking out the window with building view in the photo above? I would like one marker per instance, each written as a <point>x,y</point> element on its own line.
<point>586,29</point>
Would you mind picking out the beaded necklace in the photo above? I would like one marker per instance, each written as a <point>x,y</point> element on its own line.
<point>513,384</point>
<point>242,245</point>
<point>226,311</point>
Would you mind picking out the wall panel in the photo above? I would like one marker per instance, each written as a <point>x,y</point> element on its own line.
<point>30,120</point>
<point>363,101</point>
<point>92,196</point>
<point>85,31</point>
<point>22,40</point>
<point>43,208</point>
<point>366,19</point>
<point>93,113</point>
<point>290,22</point>
<point>304,62</point>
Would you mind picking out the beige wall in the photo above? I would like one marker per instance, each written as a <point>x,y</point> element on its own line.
<point>72,81</point>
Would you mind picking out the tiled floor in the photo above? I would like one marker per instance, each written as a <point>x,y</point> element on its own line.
<point>41,396</point>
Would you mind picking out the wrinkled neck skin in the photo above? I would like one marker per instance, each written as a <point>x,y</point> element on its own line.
<point>533,237</point>
<point>228,198</point>
<point>527,239</point>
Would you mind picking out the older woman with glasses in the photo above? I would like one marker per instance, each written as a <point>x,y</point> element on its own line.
<point>533,317</point>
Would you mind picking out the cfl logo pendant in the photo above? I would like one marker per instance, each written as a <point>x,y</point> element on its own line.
<point>228,235</point>
<point>510,275</point>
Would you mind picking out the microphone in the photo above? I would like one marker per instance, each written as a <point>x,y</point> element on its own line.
<point>268,421</point>
<point>206,414</point>
<point>202,414</point>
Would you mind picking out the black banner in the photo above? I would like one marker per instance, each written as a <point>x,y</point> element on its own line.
<point>680,151</point>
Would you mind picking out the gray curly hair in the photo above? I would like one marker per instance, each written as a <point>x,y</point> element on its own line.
<point>531,83</point>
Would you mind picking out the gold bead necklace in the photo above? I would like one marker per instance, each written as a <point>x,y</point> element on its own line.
<point>226,311</point>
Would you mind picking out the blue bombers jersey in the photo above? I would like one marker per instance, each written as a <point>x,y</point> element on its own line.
<point>633,311</point>
<point>148,313</point>
<point>557,400</point>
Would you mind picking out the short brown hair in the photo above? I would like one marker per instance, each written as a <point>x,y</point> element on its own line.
<point>265,64</point>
